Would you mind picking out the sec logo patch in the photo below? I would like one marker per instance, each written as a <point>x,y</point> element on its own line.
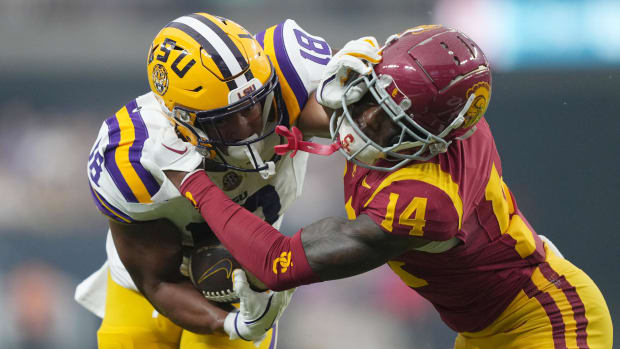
<point>231,181</point>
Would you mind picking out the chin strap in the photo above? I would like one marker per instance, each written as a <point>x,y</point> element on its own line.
<point>294,137</point>
<point>257,161</point>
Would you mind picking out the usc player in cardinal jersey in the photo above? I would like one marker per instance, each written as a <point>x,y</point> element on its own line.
<point>425,193</point>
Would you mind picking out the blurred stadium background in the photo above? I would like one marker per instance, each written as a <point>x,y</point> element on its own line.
<point>68,64</point>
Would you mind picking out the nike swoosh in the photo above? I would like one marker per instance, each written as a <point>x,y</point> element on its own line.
<point>175,150</point>
<point>223,264</point>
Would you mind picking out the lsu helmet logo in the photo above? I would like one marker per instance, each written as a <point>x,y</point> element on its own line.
<point>482,91</point>
<point>160,79</point>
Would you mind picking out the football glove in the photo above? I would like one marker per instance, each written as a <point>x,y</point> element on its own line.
<point>174,154</point>
<point>355,58</point>
<point>258,311</point>
<point>551,245</point>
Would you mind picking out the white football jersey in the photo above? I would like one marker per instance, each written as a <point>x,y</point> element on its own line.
<point>135,146</point>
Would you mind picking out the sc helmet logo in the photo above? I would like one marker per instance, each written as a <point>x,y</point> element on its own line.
<point>346,142</point>
<point>479,105</point>
<point>160,79</point>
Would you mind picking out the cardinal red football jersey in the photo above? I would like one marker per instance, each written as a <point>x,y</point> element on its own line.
<point>458,199</point>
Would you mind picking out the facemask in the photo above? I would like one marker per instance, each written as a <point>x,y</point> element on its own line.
<point>353,143</point>
<point>241,155</point>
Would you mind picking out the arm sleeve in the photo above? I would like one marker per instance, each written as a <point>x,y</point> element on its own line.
<point>277,260</point>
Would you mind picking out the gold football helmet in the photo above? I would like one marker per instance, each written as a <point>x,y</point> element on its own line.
<point>208,71</point>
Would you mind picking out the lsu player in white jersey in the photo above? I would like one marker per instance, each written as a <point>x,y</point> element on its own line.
<point>217,89</point>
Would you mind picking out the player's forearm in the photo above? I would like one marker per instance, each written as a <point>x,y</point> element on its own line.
<point>337,248</point>
<point>314,119</point>
<point>277,260</point>
<point>186,307</point>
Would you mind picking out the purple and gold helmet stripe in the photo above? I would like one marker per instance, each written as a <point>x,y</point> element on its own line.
<point>273,42</point>
<point>127,133</point>
<point>219,62</point>
<point>243,64</point>
<point>220,47</point>
<point>108,209</point>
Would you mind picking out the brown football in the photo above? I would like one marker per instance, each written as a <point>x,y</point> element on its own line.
<point>210,269</point>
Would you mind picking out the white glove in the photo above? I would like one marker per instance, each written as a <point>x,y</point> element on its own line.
<point>355,58</point>
<point>551,245</point>
<point>391,38</point>
<point>258,311</point>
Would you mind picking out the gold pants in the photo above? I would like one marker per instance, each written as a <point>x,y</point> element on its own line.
<point>569,312</point>
<point>131,322</point>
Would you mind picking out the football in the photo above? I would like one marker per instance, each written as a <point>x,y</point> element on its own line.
<point>210,270</point>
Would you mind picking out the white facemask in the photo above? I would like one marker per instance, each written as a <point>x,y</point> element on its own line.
<point>352,143</point>
<point>241,156</point>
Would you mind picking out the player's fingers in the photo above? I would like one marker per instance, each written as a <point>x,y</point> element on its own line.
<point>356,65</point>
<point>283,298</point>
<point>240,282</point>
<point>371,40</point>
<point>367,55</point>
<point>355,94</point>
<point>364,48</point>
<point>289,293</point>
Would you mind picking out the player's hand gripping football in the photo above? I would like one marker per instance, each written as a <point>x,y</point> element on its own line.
<point>355,58</point>
<point>258,311</point>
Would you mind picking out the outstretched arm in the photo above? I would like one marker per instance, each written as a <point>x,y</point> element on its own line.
<point>336,247</point>
<point>314,119</point>
<point>329,249</point>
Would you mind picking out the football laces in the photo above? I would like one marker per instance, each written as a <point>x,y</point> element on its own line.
<point>228,296</point>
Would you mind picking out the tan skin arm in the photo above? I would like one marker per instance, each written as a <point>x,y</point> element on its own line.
<point>151,252</point>
<point>337,247</point>
<point>314,119</point>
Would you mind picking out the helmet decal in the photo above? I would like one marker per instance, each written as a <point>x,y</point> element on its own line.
<point>482,91</point>
<point>228,59</point>
<point>160,79</point>
<point>244,90</point>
